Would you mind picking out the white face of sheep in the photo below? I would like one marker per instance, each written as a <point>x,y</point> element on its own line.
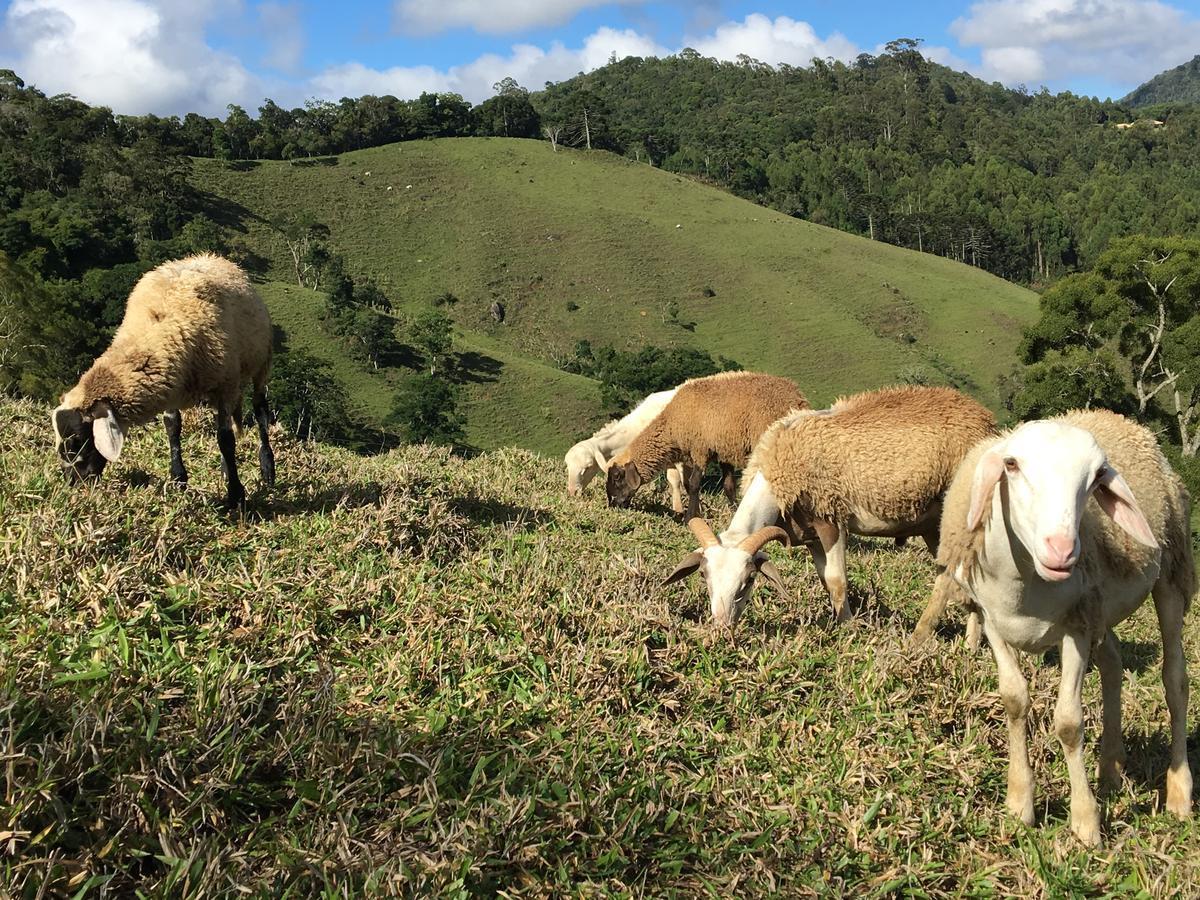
<point>584,463</point>
<point>729,571</point>
<point>1050,469</point>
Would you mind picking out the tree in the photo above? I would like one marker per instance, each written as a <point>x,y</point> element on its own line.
<point>1142,301</point>
<point>302,234</point>
<point>433,334</point>
<point>426,410</point>
<point>307,398</point>
<point>370,331</point>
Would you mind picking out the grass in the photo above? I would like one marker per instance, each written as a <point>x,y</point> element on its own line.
<point>510,400</point>
<point>424,675</point>
<point>591,246</point>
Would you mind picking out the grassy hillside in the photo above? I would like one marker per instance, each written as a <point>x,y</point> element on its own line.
<point>496,219</point>
<point>420,675</point>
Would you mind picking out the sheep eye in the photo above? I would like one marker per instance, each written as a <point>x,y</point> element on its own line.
<point>1010,465</point>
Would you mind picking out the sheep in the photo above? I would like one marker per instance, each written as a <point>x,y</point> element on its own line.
<point>719,417</point>
<point>1058,530</point>
<point>876,463</point>
<point>591,455</point>
<point>195,331</point>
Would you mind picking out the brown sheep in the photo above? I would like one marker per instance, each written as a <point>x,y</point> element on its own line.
<point>195,331</point>
<point>716,418</point>
<point>876,463</point>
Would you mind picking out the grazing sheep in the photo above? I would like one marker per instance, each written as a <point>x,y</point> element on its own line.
<point>591,455</point>
<point>195,331</point>
<point>1058,530</point>
<point>876,463</point>
<point>719,417</point>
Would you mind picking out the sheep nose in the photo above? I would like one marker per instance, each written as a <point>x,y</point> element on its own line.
<point>1060,550</point>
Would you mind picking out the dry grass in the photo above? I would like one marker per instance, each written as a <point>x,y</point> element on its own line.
<point>418,674</point>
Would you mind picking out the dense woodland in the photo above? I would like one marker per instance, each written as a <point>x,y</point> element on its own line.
<point>1032,187</point>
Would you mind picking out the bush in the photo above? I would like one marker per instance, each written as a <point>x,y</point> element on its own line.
<point>426,410</point>
<point>307,398</point>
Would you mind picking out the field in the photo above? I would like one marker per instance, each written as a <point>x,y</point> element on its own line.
<point>591,246</point>
<point>419,674</point>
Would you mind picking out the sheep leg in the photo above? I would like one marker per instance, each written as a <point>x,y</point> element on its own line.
<point>831,565</point>
<point>173,425</point>
<point>1015,694</point>
<point>943,586</point>
<point>729,483</point>
<point>1068,726</point>
<point>236,495</point>
<point>691,479</point>
<point>1112,745</point>
<point>266,456</point>
<point>675,483</point>
<point>1170,604</point>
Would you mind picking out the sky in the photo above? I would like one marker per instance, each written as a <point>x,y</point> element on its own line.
<point>175,56</point>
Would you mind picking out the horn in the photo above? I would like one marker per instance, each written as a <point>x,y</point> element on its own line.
<point>703,533</point>
<point>755,542</point>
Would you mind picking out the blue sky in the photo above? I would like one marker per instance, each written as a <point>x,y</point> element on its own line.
<point>174,56</point>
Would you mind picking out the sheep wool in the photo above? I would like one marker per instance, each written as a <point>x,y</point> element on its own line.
<point>194,331</point>
<point>891,451</point>
<point>721,415</point>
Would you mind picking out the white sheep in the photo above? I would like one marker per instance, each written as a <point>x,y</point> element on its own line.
<point>194,331</point>
<point>876,463</point>
<point>591,455</point>
<point>1058,530</point>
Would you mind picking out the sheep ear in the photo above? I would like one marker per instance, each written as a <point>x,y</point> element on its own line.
<point>767,569</point>
<point>107,433</point>
<point>66,421</point>
<point>987,475</point>
<point>686,567</point>
<point>1117,500</point>
<point>600,460</point>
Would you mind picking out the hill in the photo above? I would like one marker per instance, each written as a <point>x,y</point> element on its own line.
<point>589,246</point>
<point>421,675</point>
<point>1178,85</point>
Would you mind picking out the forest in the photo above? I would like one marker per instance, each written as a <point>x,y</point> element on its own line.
<point>1030,186</point>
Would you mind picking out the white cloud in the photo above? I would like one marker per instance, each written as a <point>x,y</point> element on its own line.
<point>1036,41</point>
<point>131,55</point>
<point>531,66</point>
<point>774,41</point>
<point>488,16</point>
<point>283,33</point>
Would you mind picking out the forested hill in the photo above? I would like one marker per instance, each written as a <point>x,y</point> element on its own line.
<point>902,150</point>
<point>1178,85</point>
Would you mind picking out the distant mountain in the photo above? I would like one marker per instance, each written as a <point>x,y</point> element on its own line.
<point>1178,85</point>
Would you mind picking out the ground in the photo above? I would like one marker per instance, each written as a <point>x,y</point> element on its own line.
<point>421,674</point>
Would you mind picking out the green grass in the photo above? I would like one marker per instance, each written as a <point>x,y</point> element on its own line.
<point>497,219</point>
<point>422,675</point>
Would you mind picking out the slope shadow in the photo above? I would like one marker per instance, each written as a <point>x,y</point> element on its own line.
<point>475,368</point>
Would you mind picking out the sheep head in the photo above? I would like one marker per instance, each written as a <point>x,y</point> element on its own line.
<point>583,463</point>
<point>1048,470</point>
<point>87,440</point>
<point>622,483</point>
<point>730,570</point>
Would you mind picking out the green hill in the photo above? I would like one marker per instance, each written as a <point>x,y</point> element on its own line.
<point>418,675</point>
<point>543,233</point>
<point>1178,85</point>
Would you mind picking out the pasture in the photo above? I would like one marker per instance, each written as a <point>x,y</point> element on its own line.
<point>420,674</point>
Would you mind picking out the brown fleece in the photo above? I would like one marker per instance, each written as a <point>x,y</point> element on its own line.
<point>721,417</point>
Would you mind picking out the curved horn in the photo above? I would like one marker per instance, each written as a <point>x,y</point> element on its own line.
<point>755,542</point>
<point>703,533</point>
